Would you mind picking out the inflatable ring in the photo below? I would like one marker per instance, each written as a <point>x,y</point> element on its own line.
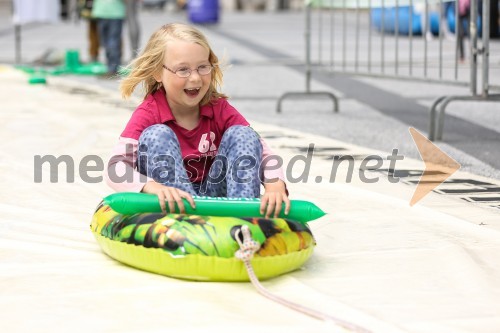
<point>198,247</point>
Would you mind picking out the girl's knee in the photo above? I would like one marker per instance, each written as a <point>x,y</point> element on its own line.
<point>243,133</point>
<point>157,132</point>
<point>158,139</point>
<point>242,141</point>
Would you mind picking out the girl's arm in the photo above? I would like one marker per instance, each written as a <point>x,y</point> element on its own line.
<point>121,174</point>
<point>272,164</point>
<point>276,192</point>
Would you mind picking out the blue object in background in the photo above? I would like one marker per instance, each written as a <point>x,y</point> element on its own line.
<point>203,11</point>
<point>404,13</point>
<point>450,17</point>
<point>434,23</point>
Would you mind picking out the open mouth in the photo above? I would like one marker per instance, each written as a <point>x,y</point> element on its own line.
<point>192,92</point>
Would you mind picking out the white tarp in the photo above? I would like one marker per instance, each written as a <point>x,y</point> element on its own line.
<point>379,263</point>
<point>28,11</point>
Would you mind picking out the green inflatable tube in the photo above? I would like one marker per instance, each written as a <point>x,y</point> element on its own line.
<point>131,203</point>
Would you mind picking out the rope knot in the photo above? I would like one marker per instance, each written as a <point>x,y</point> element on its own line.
<point>248,247</point>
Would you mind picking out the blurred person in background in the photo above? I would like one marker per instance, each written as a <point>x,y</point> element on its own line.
<point>134,29</point>
<point>64,9</point>
<point>463,26</point>
<point>110,15</point>
<point>85,7</point>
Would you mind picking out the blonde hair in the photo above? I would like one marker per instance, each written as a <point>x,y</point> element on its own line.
<point>150,61</point>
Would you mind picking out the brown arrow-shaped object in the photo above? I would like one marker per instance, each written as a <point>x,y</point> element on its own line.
<point>438,166</point>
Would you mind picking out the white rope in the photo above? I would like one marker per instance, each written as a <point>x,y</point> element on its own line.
<point>247,249</point>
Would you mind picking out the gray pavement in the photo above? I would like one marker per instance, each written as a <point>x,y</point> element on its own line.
<point>265,52</point>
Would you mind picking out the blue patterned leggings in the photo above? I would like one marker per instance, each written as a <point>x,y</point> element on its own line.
<point>234,172</point>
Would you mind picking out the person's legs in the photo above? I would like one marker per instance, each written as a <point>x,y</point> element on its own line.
<point>133,26</point>
<point>423,10</point>
<point>160,158</point>
<point>113,44</point>
<point>93,40</point>
<point>103,32</point>
<point>461,37</point>
<point>235,171</point>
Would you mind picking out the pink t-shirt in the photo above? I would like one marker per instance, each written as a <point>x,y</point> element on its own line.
<point>198,146</point>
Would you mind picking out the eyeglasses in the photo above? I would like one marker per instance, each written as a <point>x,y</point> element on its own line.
<point>185,72</point>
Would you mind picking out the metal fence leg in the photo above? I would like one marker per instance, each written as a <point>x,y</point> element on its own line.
<point>17,34</point>
<point>280,100</point>
<point>306,95</point>
<point>440,116</point>
<point>308,91</point>
<point>335,101</point>
<point>432,119</point>
<point>436,127</point>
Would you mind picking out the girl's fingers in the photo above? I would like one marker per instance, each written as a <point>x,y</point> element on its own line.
<point>170,200</point>
<point>188,197</point>
<point>277,209</point>
<point>270,206</point>
<point>287,204</point>
<point>169,196</point>
<point>263,203</point>
<point>161,199</point>
<point>177,198</point>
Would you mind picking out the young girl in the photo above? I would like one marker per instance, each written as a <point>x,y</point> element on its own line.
<point>185,138</point>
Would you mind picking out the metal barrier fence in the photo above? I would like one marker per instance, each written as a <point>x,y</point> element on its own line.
<point>355,36</point>
<point>70,7</point>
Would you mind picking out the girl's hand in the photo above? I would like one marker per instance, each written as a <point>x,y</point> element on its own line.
<point>169,194</point>
<point>273,198</point>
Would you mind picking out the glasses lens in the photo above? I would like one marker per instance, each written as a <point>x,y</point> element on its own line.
<point>184,72</point>
<point>204,69</point>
